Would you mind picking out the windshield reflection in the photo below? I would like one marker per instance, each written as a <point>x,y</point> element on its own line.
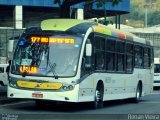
<point>46,59</point>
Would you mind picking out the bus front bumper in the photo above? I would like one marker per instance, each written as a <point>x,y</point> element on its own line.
<point>66,96</point>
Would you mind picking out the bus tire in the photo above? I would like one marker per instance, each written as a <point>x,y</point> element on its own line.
<point>98,97</point>
<point>138,93</point>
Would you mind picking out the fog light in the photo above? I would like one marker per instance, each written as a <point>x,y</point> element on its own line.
<point>70,87</point>
<point>12,84</point>
<point>65,87</point>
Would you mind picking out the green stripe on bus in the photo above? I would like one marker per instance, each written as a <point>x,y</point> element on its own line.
<point>102,30</point>
<point>107,32</point>
<point>60,24</point>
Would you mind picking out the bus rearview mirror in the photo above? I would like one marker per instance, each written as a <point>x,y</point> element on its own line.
<point>88,49</point>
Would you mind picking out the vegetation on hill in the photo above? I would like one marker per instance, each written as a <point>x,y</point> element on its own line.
<point>136,18</point>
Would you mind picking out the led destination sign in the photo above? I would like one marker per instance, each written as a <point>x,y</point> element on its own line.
<point>28,69</point>
<point>36,39</point>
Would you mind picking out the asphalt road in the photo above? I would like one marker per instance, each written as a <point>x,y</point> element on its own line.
<point>148,108</point>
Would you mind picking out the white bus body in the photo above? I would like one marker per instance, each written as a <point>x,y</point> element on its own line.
<point>92,80</point>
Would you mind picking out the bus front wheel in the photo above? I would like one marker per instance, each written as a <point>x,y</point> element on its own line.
<point>98,97</point>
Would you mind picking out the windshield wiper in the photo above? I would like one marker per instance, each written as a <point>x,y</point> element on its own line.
<point>52,69</point>
<point>52,66</point>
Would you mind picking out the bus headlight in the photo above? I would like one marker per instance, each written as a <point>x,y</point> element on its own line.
<point>67,88</point>
<point>70,87</point>
<point>64,87</point>
<point>13,84</point>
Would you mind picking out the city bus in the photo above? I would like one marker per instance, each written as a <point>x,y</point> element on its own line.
<point>68,60</point>
<point>156,73</point>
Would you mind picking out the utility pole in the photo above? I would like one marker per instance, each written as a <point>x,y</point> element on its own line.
<point>146,17</point>
<point>148,3</point>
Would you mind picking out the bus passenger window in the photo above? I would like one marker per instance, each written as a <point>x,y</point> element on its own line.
<point>146,55</point>
<point>120,56</point>
<point>110,58</point>
<point>99,43</point>
<point>110,55</point>
<point>99,52</point>
<point>120,63</point>
<point>129,61</point>
<point>138,56</point>
<point>129,57</point>
<point>99,61</point>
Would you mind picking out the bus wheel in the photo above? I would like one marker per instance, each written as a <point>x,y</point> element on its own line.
<point>98,100</point>
<point>138,94</point>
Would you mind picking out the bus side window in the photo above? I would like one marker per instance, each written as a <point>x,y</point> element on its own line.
<point>110,55</point>
<point>120,56</point>
<point>146,55</point>
<point>99,44</point>
<point>138,56</point>
<point>129,57</point>
<point>99,61</point>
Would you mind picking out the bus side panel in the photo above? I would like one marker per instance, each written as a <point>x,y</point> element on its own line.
<point>87,89</point>
<point>146,77</point>
<point>117,86</point>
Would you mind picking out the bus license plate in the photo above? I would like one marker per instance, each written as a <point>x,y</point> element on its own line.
<point>37,95</point>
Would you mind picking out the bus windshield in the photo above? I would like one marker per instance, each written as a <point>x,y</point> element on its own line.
<point>44,55</point>
<point>156,68</point>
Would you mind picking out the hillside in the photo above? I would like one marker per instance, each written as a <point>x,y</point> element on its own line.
<point>152,4</point>
<point>136,17</point>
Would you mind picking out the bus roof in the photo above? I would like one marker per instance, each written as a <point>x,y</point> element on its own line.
<point>74,25</point>
<point>61,24</point>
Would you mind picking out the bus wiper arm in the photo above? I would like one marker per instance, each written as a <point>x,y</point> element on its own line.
<point>52,69</point>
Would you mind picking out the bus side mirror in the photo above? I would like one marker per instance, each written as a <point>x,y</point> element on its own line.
<point>88,50</point>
